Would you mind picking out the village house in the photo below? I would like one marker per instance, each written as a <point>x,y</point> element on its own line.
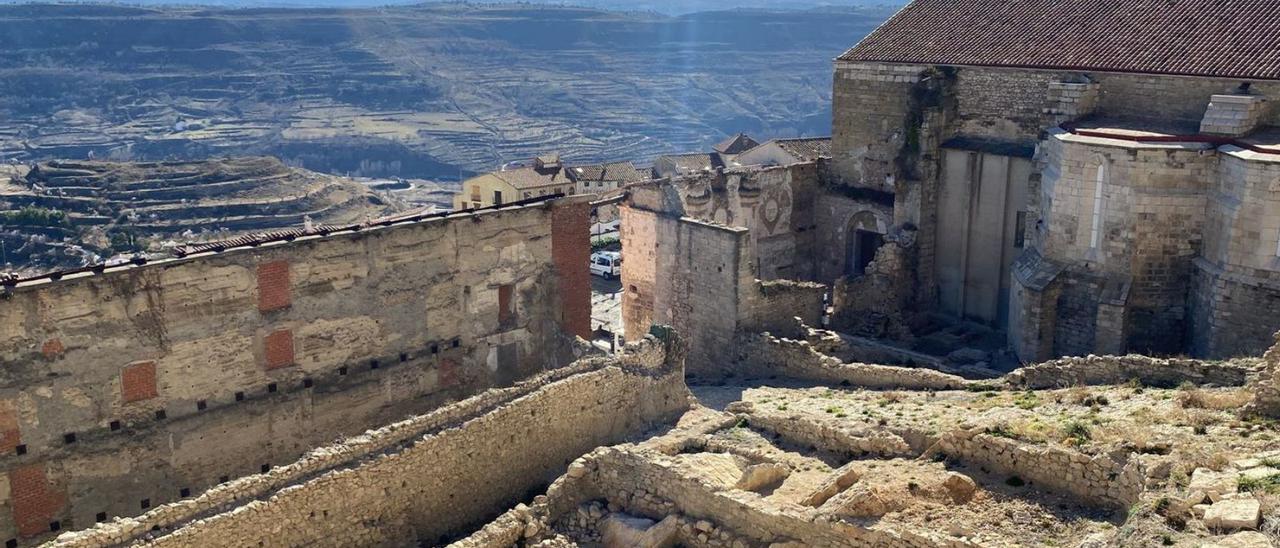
<point>547,176</point>
<point>601,178</point>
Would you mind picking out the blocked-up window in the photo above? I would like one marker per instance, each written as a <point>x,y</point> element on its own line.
<point>506,305</point>
<point>475,193</point>
<point>1020,230</point>
<point>1096,231</point>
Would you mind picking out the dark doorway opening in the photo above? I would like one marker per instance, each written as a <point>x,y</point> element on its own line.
<point>862,250</point>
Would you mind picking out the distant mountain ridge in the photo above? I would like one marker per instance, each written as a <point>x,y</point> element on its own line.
<point>671,7</point>
<point>430,91</point>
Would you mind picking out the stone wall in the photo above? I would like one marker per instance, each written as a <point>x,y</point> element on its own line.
<point>140,385</point>
<point>653,487</point>
<point>778,303</point>
<point>1266,392</point>
<point>775,204</point>
<point>875,304</point>
<point>1101,370</point>
<point>888,119</point>
<point>763,355</point>
<point>1236,288</point>
<point>692,275</point>
<point>430,477</point>
<point>1147,233</point>
<point>1097,479</point>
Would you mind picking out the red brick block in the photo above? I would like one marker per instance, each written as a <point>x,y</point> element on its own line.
<point>138,382</point>
<point>274,289</point>
<point>449,373</point>
<point>10,435</point>
<point>52,348</point>
<point>570,254</point>
<point>278,349</point>
<point>35,502</point>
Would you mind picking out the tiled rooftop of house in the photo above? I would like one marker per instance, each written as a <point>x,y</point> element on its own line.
<point>1217,38</point>
<point>806,149</point>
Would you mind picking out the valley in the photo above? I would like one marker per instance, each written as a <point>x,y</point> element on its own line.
<point>432,91</point>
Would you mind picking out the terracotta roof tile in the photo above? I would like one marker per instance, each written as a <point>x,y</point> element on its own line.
<point>1215,38</point>
<point>736,144</point>
<point>806,149</point>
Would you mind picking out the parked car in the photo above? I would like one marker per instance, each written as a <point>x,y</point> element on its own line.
<point>606,264</point>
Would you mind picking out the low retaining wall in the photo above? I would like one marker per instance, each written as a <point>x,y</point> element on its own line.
<point>1092,479</point>
<point>763,355</point>
<point>1098,370</point>
<point>432,476</point>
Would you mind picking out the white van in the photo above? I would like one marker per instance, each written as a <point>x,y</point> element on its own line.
<point>606,264</point>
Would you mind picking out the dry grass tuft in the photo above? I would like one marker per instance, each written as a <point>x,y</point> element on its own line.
<point>1218,400</point>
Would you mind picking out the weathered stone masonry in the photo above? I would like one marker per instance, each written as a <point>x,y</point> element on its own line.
<point>223,364</point>
<point>386,487</point>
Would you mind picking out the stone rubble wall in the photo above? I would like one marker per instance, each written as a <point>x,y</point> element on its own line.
<point>1102,370</point>
<point>763,355</point>
<point>874,304</point>
<point>652,487</point>
<point>432,476</point>
<point>840,438</point>
<point>1093,479</point>
<point>778,303</point>
<point>1266,396</point>
<point>143,384</point>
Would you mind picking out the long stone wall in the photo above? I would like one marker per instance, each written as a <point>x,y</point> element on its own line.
<point>1095,479</point>
<point>1101,370</point>
<point>763,355</point>
<point>138,385</point>
<point>431,477</point>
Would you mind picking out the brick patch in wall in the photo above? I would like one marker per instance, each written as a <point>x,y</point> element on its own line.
<point>571,254</point>
<point>448,373</point>
<point>35,502</point>
<point>10,435</point>
<point>52,348</point>
<point>138,381</point>
<point>274,290</point>
<point>278,349</point>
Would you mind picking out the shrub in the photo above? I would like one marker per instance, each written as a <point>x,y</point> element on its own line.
<point>34,216</point>
<point>1077,432</point>
<point>1218,400</point>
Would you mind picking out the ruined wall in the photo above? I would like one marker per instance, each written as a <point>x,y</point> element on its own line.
<point>777,304</point>
<point>761,355</point>
<point>142,385</point>
<point>653,487</point>
<point>692,275</point>
<point>775,204</point>
<point>433,476</point>
<point>1266,392</point>
<point>873,304</point>
<point>1097,479</point>
<point>1103,370</point>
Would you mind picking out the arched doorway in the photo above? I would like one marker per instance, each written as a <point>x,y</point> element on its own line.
<point>864,236</point>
